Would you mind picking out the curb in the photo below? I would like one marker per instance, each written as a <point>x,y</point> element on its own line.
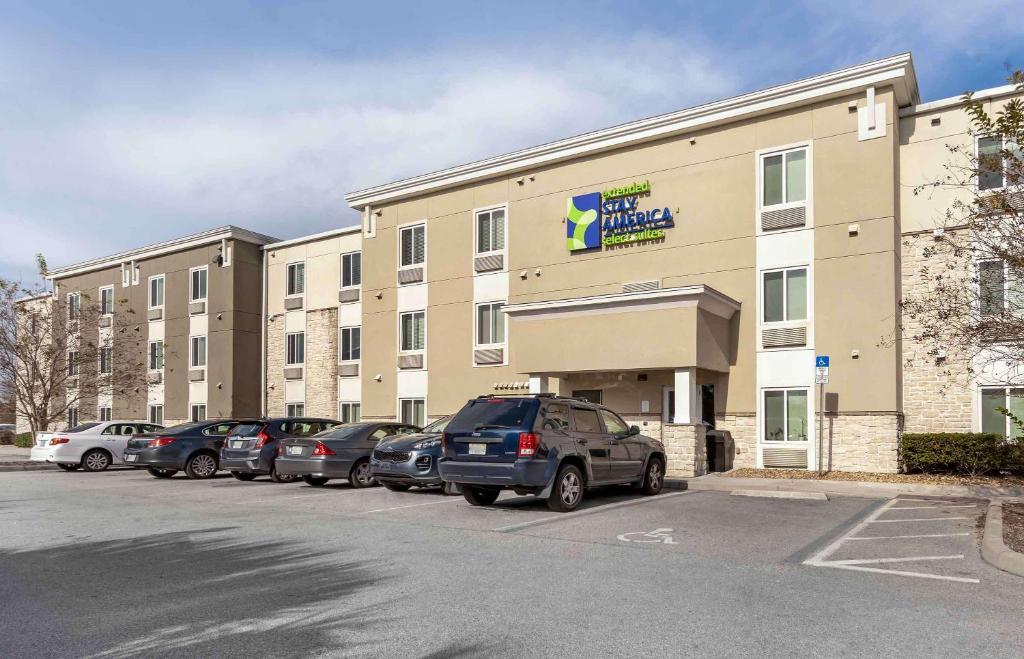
<point>993,549</point>
<point>25,465</point>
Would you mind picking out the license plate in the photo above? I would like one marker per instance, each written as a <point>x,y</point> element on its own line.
<point>131,458</point>
<point>478,449</point>
<point>383,466</point>
<point>238,443</point>
<point>294,450</point>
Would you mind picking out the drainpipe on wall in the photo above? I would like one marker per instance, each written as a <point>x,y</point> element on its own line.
<point>263,337</point>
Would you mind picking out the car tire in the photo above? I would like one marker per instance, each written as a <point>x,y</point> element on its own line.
<point>654,476</point>
<point>450,489</point>
<point>69,466</point>
<point>396,487</point>
<point>201,466</point>
<point>480,496</point>
<point>243,475</point>
<point>315,481</point>
<point>278,478</point>
<point>567,492</point>
<point>360,476</point>
<point>161,473</point>
<point>96,460</point>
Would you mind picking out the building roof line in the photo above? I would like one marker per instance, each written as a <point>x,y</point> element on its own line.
<point>897,70</point>
<point>989,94</point>
<point>313,236</point>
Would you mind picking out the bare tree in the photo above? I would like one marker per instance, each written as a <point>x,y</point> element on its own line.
<point>61,355</point>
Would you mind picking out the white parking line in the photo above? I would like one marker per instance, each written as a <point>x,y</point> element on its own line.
<point>914,519</point>
<point>414,505</point>
<point>585,511</point>
<point>902,573</point>
<point>968,505</point>
<point>903,559</point>
<point>900,537</point>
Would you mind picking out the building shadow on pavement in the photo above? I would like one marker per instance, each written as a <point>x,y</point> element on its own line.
<point>193,593</point>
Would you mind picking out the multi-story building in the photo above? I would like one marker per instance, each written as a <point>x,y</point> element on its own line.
<point>314,325</point>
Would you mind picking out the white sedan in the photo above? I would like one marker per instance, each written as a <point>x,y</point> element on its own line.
<point>90,446</point>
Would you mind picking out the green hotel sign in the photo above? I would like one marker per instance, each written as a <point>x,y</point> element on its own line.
<point>614,217</point>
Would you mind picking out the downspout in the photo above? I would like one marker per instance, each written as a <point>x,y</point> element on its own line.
<point>263,336</point>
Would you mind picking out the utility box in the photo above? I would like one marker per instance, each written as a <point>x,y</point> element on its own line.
<point>720,450</point>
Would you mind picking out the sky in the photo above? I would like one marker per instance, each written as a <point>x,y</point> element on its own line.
<point>128,123</point>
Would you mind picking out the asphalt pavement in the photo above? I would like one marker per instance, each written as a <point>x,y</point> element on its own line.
<point>118,564</point>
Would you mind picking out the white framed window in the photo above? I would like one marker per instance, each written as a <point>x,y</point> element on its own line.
<point>412,241</point>
<point>197,351</point>
<point>786,417</point>
<point>156,414</point>
<point>350,344</point>
<point>349,412</point>
<point>413,411</point>
<point>490,324</point>
<point>296,279</point>
<point>198,284</point>
<point>72,363</point>
<point>490,231</point>
<point>1000,288</point>
<point>784,295</point>
<point>156,292</point>
<point>106,360</point>
<point>156,355</point>
<point>72,417</point>
<point>994,399</point>
<point>412,331</point>
<point>198,412</point>
<point>784,177</point>
<point>995,166</point>
<point>295,409</point>
<point>104,414</point>
<point>74,306</point>
<point>106,300</point>
<point>295,348</point>
<point>351,269</point>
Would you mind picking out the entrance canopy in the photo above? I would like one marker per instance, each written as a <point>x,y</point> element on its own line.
<point>684,327</point>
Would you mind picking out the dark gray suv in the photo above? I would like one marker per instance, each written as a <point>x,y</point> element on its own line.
<point>546,445</point>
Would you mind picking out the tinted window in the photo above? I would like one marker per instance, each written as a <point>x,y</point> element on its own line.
<point>83,427</point>
<point>304,429</point>
<point>219,429</point>
<point>182,427</point>
<point>439,425</point>
<point>613,423</point>
<point>586,420</point>
<point>150,428</point>
<point>344,431</point>
<point>496,413</point>
<point>245,430</point>
<point>556,417</point>
<point>127,430</point>
<point>381,433</point>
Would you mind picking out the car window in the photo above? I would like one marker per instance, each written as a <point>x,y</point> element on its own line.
<point>405,430</point>
<point>328,425</point>
<point>344,431</point>
<point>586,420</point>
<point>494,413</point>
<point>151,427</point>
<point>613,423</point>
<point>438,426</point>
<point>218,430</point>
<point>127,430</point>
<point>112,429</point>
<point>304,429</point>
<point>245,430</point>
<point>381,433</point>
<point>82,428</point>
<point>556,417</point>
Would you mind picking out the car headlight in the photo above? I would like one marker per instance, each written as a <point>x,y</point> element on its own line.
<point>427,443</point>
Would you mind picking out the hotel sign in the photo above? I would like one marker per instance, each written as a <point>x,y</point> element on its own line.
<point>614,217</point>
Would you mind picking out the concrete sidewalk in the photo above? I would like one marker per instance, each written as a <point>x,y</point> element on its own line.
<point>842,488</point>
<point>13,458</point>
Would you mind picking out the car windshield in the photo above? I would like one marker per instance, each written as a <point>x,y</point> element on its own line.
<point>438,426</point>
<point>343,432</point>
<point>245,430</point>
<point>83,427</point>
<point>496,413</point>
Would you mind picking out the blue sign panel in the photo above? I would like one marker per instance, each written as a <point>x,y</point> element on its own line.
<point>583,224</point>
<point>821,361</point>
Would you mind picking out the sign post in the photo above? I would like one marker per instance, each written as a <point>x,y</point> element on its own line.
<point>821,379</point>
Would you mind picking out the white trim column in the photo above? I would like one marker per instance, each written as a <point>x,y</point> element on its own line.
<point>686,396</point>
<point>539,384</point>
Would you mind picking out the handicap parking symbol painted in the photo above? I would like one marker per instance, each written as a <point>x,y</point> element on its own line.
<point>657,535</point>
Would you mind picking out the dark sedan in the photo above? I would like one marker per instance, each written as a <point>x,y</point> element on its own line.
<point>400,462</point>
<point>194,447</point>
<point>250,449</point>
<point>343,452</point>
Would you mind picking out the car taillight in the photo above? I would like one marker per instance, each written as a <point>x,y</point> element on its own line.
<point>444,442</point>
<point>59,440</point>
<point>322,449</point>
<point>528,443</point>
<point>160,441</point>
<point>263,437</point>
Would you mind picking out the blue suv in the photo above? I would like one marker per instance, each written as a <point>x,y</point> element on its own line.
<point>546,445</point>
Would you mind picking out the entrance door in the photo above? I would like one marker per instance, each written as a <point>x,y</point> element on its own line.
<point>707,404</point>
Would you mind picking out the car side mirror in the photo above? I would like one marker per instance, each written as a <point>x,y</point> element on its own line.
<point>633,430</point>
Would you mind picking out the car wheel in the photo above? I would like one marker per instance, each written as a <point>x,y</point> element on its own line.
<point>654,477</point>
<point>201,466</point>
<point>96,460</point>
<point>397,487</point>
<point>567,492</point>
<point>360,475</point>
<point>315,481</point>
<point>450,488</point>
<point>68,466</point>
<point>243,475</point>
<point>480,496</point>
<point>161,473</point>
<point>278,478</point>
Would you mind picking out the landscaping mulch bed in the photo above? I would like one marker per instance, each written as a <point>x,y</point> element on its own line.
<point>1013,526</point>
<point>914,479</point>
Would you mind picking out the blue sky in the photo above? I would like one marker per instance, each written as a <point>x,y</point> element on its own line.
<point>124,123</point>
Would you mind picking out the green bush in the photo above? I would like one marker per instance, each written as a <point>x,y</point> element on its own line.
<point>966,453</point>
<point>24,440</point>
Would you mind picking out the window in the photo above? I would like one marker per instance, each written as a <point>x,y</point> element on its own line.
<point>784,177</point>
<point>613,424</point>
<point>197,288</point>
<point>349,412</point>
<point>72,417</point>
<point>197,352</point>
<point>107,300</point>
<point>994,421</point>
<point>586,420</point>
<point>74,306</point>
<point>490,324</point>
<point>295,348</point>
<point>350,338</point>
<point>156,355</point>
<point>414,411</point>
<point>156,414</point>
<point>412,331</point>
<point>296,278</point>
<point>785,295</point>
<point>72,363</point>
<point>106,360</point>
<point>199,412</point>
<point>413,245</point>
<point>994,162</point>
<point>490,231</point>
<point>351,269</point>
<point>785,415</point>
<point>218,430</point>
<point>295,409</point>
<point>104,414</point>
<point>1000,288</point>
<point>156,292</point>
<point>556,417</point>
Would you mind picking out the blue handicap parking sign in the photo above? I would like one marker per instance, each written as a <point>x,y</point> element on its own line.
<point>821,361</point>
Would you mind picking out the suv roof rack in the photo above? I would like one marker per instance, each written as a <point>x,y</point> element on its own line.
<point>545,394</point>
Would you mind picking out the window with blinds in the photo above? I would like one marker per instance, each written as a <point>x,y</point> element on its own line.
<point>351,269</point>
<point>490,231</point>
<point>413,245</point>
<point>413,331</point>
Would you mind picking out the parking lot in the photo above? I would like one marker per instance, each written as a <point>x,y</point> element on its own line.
<point>121,564</point>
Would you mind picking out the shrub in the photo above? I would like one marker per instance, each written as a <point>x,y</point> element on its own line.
<point>967,453</point>
<point>24,440</point>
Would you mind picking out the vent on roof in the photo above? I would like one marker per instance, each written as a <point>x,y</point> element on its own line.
<point>639,286</point>
<point>784,218</point>
<point>778,456</point>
